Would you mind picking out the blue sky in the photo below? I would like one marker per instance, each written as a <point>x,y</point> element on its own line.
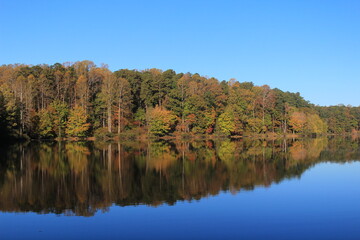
<point>308,46</point>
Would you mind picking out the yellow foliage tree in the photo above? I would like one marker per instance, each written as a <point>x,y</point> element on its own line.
<point>315,124</point>
<point>298,121</point>
<point>160,121</point>
<point>77,125</point>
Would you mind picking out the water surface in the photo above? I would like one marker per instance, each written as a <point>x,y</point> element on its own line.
<point>288,189</point>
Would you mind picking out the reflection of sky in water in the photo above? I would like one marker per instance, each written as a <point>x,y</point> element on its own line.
<point>323,204</point>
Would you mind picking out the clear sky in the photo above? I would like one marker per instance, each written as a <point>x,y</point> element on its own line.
<point>307,46</point>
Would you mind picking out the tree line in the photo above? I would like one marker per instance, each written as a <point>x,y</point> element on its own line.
<point>81,99</point>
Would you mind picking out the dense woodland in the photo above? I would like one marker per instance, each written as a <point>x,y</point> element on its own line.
<point>81,99</point>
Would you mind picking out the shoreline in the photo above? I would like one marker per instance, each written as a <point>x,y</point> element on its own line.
<point>267,136</point>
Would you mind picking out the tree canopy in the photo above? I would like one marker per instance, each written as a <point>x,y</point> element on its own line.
<point>77,99</point>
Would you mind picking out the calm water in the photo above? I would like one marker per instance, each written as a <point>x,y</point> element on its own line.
<point>294,189</point>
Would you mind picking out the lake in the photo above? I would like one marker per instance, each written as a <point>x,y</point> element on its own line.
<point>215,189</point>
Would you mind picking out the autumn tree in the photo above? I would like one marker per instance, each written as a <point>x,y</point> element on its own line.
<point>20,85</point>
<point>315,124</point>
<point>53,120</point>
<point>298,121</point>
<point>46,124</point>
<point>307,122</point>
<point>3,118</point>
<point>81,91</point>
<point>161,121</point>
<point>77,125</point>
<point>226,122</point>
<point>108,94</point>
<point>122,92</point>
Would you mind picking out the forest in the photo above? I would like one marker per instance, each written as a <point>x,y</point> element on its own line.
<point>83,100</point>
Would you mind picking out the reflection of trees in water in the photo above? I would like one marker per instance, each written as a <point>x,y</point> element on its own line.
<point>83,177</point>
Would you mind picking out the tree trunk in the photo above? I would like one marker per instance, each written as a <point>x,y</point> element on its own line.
<point>182,108</point>
<point>119,113</point>
<point>21,111</point>
<point>42,100</point>
<point>109,117</point>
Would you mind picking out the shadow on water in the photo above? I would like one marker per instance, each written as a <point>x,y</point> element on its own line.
<point>80,178</point>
